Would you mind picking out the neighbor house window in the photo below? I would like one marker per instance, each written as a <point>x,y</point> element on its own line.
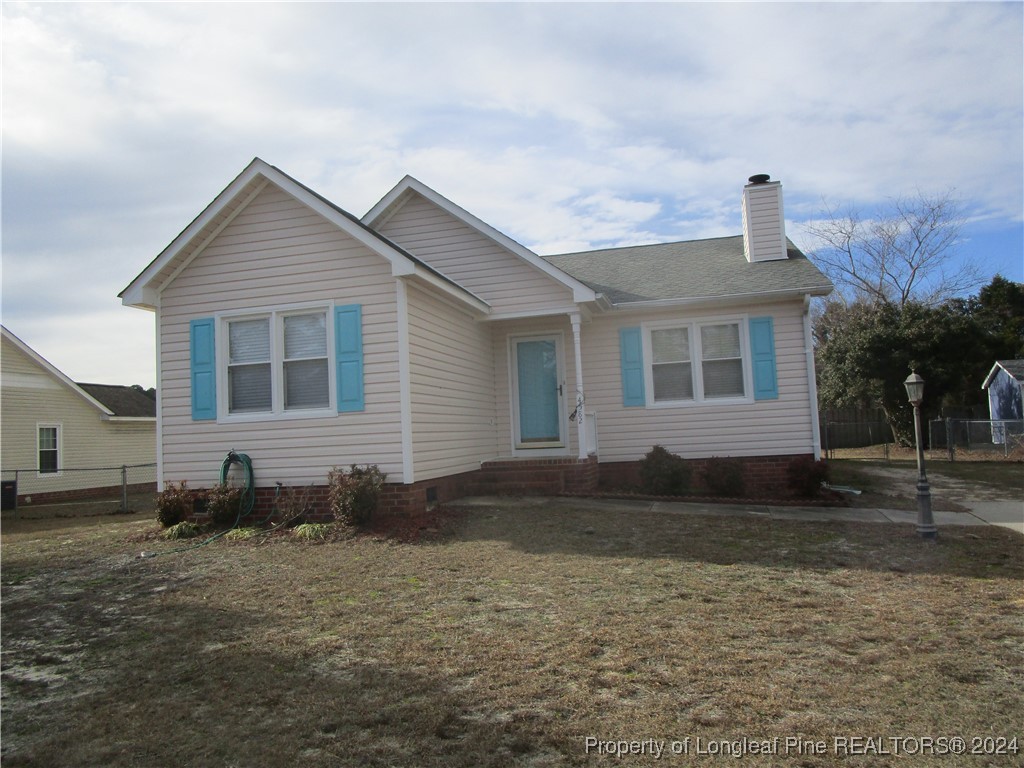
<point>278,362</point>
<point>697,362</point>
<point>49,449</point>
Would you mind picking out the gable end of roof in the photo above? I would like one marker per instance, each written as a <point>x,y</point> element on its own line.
<point>394,199</point>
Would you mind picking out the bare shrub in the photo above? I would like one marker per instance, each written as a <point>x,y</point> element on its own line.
<point>174,504</point>
<point>354,494</point>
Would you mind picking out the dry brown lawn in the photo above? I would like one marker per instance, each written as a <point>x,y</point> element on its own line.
<point>508,637</point>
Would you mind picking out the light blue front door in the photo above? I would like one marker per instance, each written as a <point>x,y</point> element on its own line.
<point>538,392</point>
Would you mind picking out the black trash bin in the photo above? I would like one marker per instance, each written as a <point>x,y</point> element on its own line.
<point>8,494</point>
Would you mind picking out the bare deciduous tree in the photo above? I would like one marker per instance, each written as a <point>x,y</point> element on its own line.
<point>904,251</point>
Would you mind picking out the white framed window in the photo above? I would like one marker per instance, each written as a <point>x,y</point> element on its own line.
<point>276,363</point>
<point>48,449</point>
<point>695,362</point>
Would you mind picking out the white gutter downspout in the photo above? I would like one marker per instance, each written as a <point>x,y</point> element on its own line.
<point>812,384</point>
<point>404,384</point>
<point>581,426</point>
<point>159,409</point>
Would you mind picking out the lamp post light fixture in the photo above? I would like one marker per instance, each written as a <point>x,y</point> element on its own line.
<point>925,522</point>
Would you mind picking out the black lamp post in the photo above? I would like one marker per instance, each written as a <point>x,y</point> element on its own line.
<point>925,523</point>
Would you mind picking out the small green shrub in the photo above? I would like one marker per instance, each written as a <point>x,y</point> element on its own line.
<point>241,534</point>
<point>173,504</point>
<point>724,476</point>
<point>223,503</point>
<point>805,476</point>
<point>322,531</point>
<point>663,473</point>
<point>184,530</point>
<point>353,495</point>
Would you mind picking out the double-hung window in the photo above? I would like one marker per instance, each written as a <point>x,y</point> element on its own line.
<point>697,362</point>
<point>48,442</point>
<point>721,360</point>
<point>278,362</point>
<point>671,364</point>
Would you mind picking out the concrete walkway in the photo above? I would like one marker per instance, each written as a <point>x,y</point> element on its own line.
<point>1006,514</point>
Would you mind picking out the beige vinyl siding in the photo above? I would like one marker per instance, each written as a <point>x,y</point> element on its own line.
<point>476,262</point>
<point>760,428</point>
<point>451,387</point>
<point>30,396</point>
<point>503,332</point>
<point>275,253</point>
<point>764,230</point>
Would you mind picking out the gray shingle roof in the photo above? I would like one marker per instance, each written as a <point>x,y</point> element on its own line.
<point>692,269</point>
<point>122,400</point>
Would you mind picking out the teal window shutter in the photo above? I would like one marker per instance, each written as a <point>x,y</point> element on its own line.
<point>203,369</point>
<point>762,346</point>
<point>631,355</point>
<point>348,347</point>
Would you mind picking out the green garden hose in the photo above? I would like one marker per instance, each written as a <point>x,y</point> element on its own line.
<point>249,481</point>
<point>245,506</point>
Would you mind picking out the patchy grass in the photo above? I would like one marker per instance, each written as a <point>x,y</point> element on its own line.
<point>507,639</point>
<point>1008,476</point>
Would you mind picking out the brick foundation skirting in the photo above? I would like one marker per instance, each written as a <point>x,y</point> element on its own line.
<point>764,476</point>
<point>512,477</point>
<point>83,494</point>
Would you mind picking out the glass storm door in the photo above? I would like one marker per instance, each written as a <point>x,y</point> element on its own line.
<point>538,393</point>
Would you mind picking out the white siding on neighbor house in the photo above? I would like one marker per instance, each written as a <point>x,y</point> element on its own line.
<point>501,278</point>
<point>451,387</point>
<point>502,332</point>
<point>760,428</point>
<point>277,252</point>
<point>31,396</point>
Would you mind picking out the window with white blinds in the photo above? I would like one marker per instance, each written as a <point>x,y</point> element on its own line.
<point>671,369</point>
<point>721,360</point>
<point>696,362</point>
<point>306,378</point>
<point>249,366</point>
<point>278,362</point>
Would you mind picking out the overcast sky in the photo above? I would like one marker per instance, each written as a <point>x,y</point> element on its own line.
<point>566,126</point>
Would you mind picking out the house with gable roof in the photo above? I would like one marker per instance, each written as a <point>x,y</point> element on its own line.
<point>421,339</point>
<point>58,434</point>
<point>1005,387</point>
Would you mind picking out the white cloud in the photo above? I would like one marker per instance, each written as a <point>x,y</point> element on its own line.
<point>564,125</point>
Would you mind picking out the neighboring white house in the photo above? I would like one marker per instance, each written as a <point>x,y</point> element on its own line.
<point>421,339</point>
<point>53,428</point>
<point>1005,386</point>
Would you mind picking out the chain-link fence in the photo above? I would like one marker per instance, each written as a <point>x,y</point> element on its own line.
<point>979,439</point>
<point>24,488</point>
<point>999,436</point>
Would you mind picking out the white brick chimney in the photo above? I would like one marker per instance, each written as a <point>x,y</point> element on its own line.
<point>764,229</point>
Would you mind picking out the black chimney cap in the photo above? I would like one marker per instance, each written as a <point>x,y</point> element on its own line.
<point>761,178</point>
